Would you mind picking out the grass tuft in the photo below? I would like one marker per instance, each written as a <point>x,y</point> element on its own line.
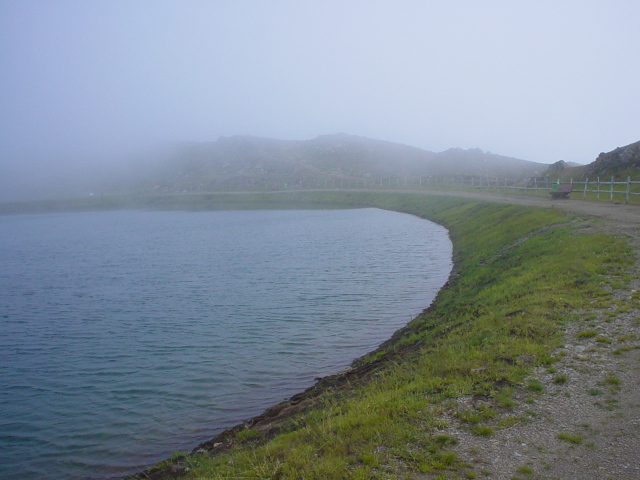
<point>568,437</point>
<point>587,334</point>
<point>526,470</point>
<point>445,440</point>
<point>534,385</point>
<point>482,430</point>
<point>503,398</point>
<point>560,379</point>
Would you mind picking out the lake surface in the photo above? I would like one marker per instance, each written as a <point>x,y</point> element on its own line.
<point>126,336</point>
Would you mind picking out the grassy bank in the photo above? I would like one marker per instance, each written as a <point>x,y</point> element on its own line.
<point>190,202</point>
<point>520,275</point>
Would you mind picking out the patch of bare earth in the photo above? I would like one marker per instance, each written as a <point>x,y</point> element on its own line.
<point>582,420</point>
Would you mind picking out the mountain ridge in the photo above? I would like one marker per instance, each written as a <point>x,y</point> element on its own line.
<point>619,163</point>
<point>250,161</point>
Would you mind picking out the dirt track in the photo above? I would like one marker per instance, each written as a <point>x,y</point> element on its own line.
<point>627,215</point>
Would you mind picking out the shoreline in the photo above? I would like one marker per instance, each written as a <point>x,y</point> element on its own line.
<point>484,398</point>
<point>352,330</point>
<point>272,420</point>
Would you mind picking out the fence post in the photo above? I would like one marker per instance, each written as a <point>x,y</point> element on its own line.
<point>584,192</point>
<point>611,190</point>
<point>626,197</point>
<point>597,188</point>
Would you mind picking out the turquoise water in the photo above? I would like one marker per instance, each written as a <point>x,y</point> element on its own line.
<point>126,336</point>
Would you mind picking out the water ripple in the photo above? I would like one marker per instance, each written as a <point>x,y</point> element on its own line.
<point>125,336</point>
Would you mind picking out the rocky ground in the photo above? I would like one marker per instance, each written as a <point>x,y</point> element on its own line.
<point>581,420</point>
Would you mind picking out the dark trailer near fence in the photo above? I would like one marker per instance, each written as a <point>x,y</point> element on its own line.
<point>561,190</point>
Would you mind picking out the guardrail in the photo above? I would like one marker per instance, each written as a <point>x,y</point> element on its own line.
<point>523,185</point>
<point>584,187</point>
<point>626,192</point>
<point>513,186</point>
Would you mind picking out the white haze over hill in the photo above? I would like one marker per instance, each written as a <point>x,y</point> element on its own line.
<point>86,87</point>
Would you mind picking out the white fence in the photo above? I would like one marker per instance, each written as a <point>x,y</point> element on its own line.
<point>597,187</point>
<point>513,186</point>
<point>610,190</point>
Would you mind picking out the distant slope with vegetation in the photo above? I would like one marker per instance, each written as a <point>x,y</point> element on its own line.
<point>620,163</point>
<point>244,162</point>
<point>623,161</point>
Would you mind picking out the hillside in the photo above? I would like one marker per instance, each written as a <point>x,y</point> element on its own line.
<point>619,163</point>
<point>622,161</point>
<point>244,162</point>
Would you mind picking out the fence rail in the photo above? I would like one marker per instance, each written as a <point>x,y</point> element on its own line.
<point>532,184</point>
<point>514,186</point>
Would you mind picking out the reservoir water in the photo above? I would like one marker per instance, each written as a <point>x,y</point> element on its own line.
<point>128,335</point>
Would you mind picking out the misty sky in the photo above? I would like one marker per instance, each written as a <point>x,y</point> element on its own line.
<point>538,80</point>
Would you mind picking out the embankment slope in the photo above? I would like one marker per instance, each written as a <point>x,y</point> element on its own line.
<point>539,303</point>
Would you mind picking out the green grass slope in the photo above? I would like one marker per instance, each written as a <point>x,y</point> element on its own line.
<point>520,274</point>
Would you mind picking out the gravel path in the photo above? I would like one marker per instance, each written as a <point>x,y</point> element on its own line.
<point>585,423</point>
<point>626,214</point>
